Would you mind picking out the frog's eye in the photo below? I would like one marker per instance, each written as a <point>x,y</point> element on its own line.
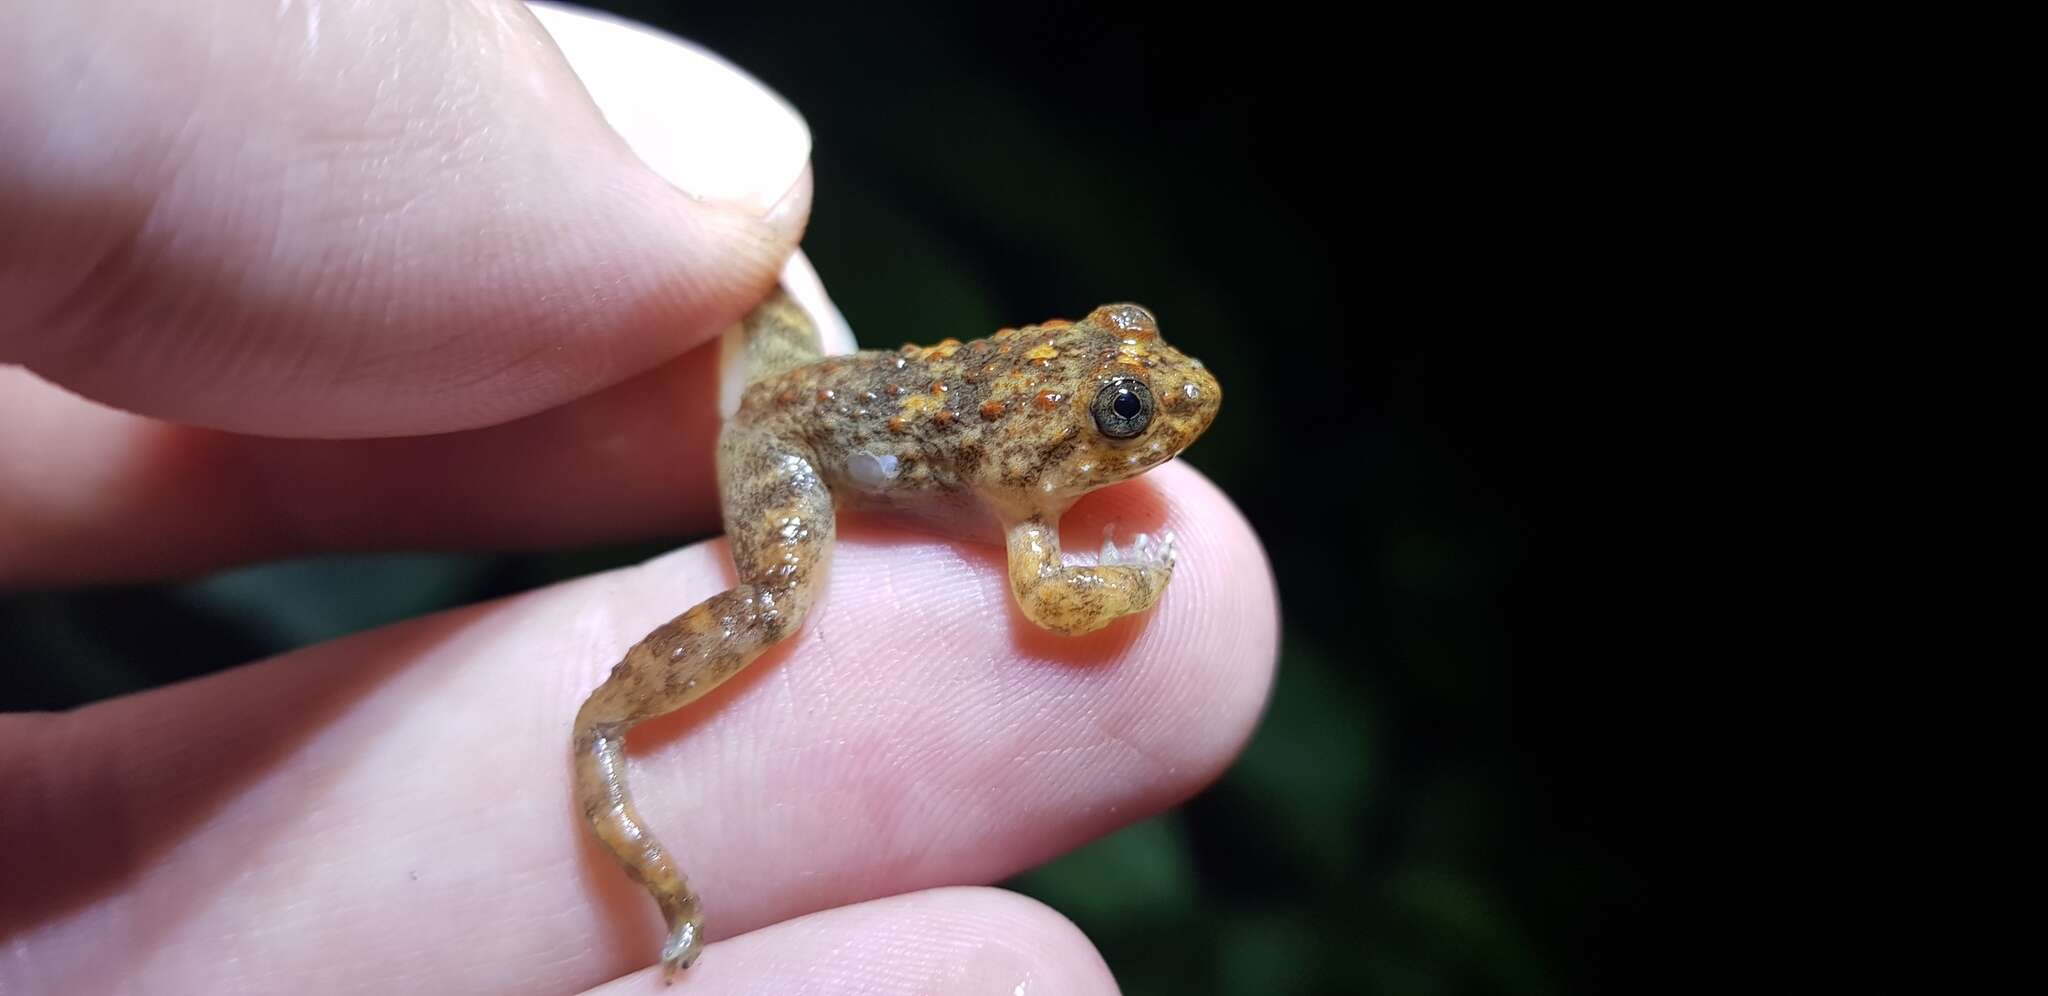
<point>1123,408</point>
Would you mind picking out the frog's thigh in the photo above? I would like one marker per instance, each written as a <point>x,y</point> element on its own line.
<point>779,518</point>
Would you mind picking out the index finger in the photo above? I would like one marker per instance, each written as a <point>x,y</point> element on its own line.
<point>93,494</point>
<point>394,809</point>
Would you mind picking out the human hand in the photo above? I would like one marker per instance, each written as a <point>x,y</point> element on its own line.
<point>383,277</point>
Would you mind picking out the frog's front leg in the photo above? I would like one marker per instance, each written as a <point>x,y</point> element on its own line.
<point>1082,599</point>
<point>778,516</point>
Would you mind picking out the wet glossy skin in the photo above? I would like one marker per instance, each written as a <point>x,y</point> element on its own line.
<point>990,439</point>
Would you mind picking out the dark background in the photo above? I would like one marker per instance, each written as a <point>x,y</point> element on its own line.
<point>1375,235</point>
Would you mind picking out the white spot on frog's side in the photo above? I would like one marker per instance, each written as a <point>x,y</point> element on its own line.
<point>871,471</point>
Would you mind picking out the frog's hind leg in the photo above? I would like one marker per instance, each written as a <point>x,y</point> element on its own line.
<point>779,517</point>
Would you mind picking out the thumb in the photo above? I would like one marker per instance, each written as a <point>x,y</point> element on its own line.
<point>381,218</point>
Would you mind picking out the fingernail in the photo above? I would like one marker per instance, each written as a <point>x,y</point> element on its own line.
<point>801,280</point>
<point>792,213</point>
<point>698,121</point>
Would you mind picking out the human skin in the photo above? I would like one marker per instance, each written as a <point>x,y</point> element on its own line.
<point>284,321</point>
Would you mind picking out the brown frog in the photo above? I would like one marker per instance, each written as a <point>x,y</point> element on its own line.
<point>996,437</point>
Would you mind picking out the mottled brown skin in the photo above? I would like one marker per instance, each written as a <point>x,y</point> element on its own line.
<point>991,438</point>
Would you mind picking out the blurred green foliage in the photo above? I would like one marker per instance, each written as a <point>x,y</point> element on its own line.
<point>1390,828</point>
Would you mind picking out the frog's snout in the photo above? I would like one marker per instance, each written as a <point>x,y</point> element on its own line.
<point>1194,401</point>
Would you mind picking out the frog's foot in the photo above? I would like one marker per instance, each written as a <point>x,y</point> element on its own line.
<point>685,940</point>
<point>1144,551</point>
<point>1081,598</point>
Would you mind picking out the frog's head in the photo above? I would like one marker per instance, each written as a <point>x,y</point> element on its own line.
<point>1099,401</point>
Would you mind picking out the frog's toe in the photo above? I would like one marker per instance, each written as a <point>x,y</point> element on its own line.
<point>685,940</point>
<point>1144,551</point>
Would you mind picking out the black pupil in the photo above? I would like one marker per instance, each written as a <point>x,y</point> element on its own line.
<point>1126,404</point>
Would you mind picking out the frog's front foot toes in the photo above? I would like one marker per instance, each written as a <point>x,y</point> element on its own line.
<point>685,940</point>
<point>1144,551</point>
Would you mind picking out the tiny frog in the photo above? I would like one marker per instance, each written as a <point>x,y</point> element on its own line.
<point>994,438</point>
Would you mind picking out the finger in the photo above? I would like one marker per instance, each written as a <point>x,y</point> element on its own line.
<point>370,219</point>
<point>95,495</point>
<point>91,494</point>
<point>634,72</point>
<point>394,809</point>
<point>936,941</point>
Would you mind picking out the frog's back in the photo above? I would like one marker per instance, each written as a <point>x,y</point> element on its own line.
<point>964,437</point>
<point>890,432</point>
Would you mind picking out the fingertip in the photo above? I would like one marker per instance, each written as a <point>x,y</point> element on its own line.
<point>401,220</point>
<point>736,151</point>
<point>802,281</point>
<point>1208,651</point>
<point>696,120</point>
<point>1230,618</point>
<point>1061,958</point>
